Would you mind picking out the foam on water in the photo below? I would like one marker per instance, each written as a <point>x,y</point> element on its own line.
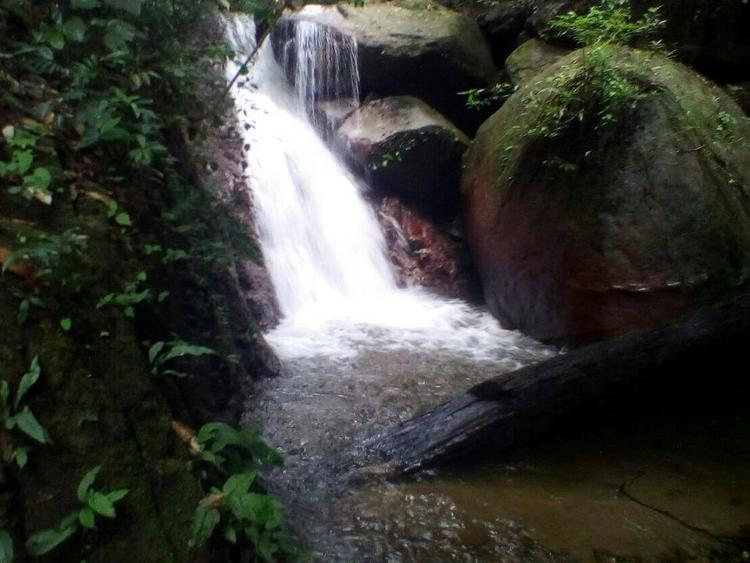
<point>321,240</point>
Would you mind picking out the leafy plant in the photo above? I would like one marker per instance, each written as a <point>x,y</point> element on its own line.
<point>231,459</point>
<point>595,91</point>
<point>611,22</point>
<point>22,169</point>
<point>727,127</point>
<point>54,258</point>
<point>480,98</point>
<point>397,154</point>
<point>94,503</point>
<point>14,414</point>
<point>133,294</point>
<point>162,352</point>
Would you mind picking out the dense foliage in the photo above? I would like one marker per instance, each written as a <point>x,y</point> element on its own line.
<point>110,98</point>
<point>595,92</point>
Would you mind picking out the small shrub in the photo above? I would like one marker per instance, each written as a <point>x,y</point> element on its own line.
<point>612,23</point>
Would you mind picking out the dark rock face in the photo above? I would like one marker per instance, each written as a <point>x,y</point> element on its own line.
<point>502,24</point>
<point>425,255</point>
<point>404,147</point>
<point>710,35</point>
<point>654,220</point>
<point>530,59</point>
<point>252,278</point>
<point>431,54</point>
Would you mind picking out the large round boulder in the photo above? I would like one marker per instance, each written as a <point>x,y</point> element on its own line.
<point>429,53</point>
<point>530,58</point>
<point>610,228</point>
<point>404,147</point>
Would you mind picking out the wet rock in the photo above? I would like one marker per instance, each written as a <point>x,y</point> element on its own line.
<point>259,293</point>
<point>404,147</point>
<point>502,24</point>
<point>330,114</point>
<point>653,219</point>
<point>428,53</point>
<point>530,59</point>
<point>424,254</point>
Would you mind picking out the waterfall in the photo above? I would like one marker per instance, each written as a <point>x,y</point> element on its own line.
<point>321,241</point>
<point>324,64</point>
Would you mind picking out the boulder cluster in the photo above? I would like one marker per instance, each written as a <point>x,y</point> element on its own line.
<point>571,238</point>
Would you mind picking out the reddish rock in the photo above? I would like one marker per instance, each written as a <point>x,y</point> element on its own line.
<point>425,255</point>
<point>649,219</point>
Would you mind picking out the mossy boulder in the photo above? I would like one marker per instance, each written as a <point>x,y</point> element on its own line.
<point>530,59</point>
<point>404,147</point>
<point>428,52</point>
<point>610,228</point>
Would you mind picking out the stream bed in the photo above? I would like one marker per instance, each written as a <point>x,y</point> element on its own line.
<point>670,486</point>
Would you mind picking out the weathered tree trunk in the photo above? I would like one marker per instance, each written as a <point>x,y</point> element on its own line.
<point>707,353</point>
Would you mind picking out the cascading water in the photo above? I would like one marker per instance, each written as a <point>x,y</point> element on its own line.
<point>324,64</point>
<point>360,355</point>
<point>320,238</point>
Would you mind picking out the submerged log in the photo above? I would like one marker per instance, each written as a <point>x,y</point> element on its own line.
<point>704,354</point>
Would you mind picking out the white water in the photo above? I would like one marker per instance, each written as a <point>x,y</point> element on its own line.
<point>324,64</point>
<point>320,238</point>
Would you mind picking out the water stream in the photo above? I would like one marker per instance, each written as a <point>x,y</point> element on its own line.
<point>361,354</point>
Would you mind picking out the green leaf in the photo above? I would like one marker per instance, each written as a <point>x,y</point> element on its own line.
<point>30,426</point>
<point>21,455</point>
<point>123,219</point>
<point>75,29</point>
<point>154,351</point>
<point>86,482</point>
<point>239,483</point>
<point>47,540</point>
<point>88,417</point>
<point>23,160</point>
<point>53,36</point>
<point>28,380</point>
<point>87,518</point>
<point>100,503</point>
<point>85,4</point>
<point>40,179</point>
<point>204,522</point>
<point>23,311</point>
<point>6,547</point>
<point>66,324</point>
<point>105,300</point>
<point>180,350</point>
<point>230,534</point>
<point>118,35</point>
<point>117,495</point>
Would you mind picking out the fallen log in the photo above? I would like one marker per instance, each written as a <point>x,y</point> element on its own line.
<point>705,354</point>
